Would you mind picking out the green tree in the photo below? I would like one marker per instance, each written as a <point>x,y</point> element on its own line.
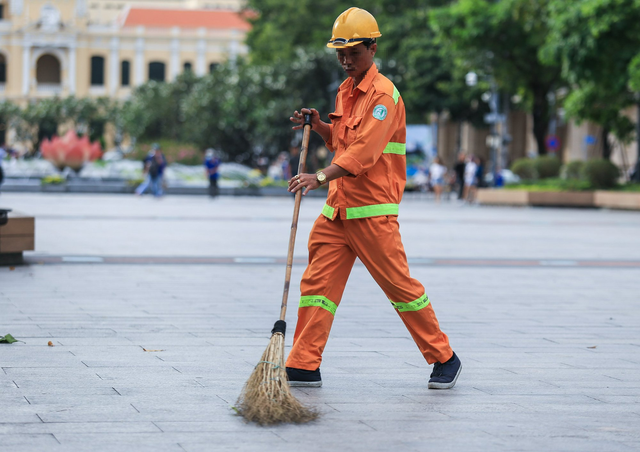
<point>282,27</point>
<point>89,116</point>
<point>39,120</point>
<point>504,39</point>
<point>9,112</point>
<point>408,52</point>
<point>412,57</point>
<point>598,43</point>
<point>155,109</point>
<point>243,109</point>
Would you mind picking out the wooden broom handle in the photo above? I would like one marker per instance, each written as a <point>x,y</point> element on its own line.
<point>296,212</point>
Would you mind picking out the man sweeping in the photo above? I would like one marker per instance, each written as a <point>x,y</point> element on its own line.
<point>367,134</point>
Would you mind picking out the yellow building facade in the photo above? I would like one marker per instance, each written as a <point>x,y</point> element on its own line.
<point>106,48</point>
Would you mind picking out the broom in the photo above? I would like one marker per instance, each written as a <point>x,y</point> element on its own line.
<point>266,398</point>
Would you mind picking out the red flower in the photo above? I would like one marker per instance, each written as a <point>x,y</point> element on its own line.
<point>70,151</point>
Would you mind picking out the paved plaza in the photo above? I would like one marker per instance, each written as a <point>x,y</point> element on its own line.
<point>158,310</point>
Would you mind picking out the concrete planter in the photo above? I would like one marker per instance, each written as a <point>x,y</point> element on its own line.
<point>561,198</point>
<point>615,200</point>
<point>503,197</point>
<point>599,198</point>
<point>54,188</point>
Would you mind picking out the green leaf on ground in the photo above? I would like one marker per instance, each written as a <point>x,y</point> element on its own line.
<point>8,339</point>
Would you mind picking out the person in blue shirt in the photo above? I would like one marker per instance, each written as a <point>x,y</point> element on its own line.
<point>212,167</point>
<point>154,165</point>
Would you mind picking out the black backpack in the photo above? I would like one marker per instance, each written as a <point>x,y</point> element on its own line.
<point>154,168</point>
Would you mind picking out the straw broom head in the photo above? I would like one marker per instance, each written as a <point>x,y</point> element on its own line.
<point>266,398</point>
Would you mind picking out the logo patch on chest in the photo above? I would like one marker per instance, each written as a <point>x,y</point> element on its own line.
<point>380,112</point>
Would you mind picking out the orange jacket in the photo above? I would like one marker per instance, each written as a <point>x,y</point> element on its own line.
<point>368,136</point>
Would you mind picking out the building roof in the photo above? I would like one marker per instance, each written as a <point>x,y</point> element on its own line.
<point>184,18</point>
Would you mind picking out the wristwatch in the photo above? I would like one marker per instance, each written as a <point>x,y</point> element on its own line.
<point>321,177</point>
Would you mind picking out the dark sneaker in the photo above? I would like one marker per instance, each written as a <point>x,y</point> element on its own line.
<point>445,375</point>
<point>304,378</point>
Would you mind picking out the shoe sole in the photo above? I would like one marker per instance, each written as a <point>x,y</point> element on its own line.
<point>305,384</point>
<point>436,385</point>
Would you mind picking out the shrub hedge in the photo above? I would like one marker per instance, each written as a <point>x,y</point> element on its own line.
<point>525,169</point>
<point>547,166</point>
<point>573,170</point>
<point>601,173</point>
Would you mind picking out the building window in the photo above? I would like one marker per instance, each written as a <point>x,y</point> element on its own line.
<point>124,73</point>
<point>3,69</point>
<point>156,71</point>
<point>1,11</point>
<point>212,67</point>
<point>48,70</point>
<point>187,67</point>
<point>97,71</point>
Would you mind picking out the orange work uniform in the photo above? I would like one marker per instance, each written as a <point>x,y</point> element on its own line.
<point>359,219</point>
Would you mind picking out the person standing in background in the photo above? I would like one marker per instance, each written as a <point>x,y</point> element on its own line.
<point>437,172</point>
<point>470,179</point>
<point>154,165</point>
<point>211,168</point>
<point>459,171</point>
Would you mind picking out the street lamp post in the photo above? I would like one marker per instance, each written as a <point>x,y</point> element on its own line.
<point>494,118</point>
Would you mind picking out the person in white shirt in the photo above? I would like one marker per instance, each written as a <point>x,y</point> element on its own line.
<point>470,179</point>
<point>437,172</point>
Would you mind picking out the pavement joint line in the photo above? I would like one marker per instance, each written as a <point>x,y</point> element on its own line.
<point>257,260</point>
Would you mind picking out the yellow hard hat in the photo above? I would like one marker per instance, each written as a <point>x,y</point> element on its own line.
<point>352,27</point>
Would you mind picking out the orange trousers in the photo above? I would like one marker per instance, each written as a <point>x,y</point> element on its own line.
<point>333,248</point>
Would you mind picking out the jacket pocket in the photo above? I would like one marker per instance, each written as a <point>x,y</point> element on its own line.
<point>336,134</point>
<point>351,127</point>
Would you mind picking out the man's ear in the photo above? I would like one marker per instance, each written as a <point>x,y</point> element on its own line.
<point>374,47</point>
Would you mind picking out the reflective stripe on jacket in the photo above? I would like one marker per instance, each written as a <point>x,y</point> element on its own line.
<point>368,136</point>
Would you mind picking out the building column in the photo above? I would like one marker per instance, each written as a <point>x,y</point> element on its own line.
<point>233,47</point>
<point>174,69</point>
<point>113,66</point>
<point>72,70</point>
<point>26,67</point>
<point>139,63</point>
<point>201,49</point>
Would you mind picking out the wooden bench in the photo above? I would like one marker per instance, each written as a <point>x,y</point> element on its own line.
<point>16,236</point>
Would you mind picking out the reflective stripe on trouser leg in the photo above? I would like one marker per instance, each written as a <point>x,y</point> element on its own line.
<point>322,285</point>
<point>378,244</point>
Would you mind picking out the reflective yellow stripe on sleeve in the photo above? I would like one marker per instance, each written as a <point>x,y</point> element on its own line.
<point>396,94</point>
<point>414,305</point>
<point>307,301</point>
<point>395,148</point>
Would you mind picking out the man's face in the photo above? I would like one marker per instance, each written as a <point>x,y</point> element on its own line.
<point>356,60</point>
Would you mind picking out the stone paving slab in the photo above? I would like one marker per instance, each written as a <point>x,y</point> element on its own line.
<point>551,353</point>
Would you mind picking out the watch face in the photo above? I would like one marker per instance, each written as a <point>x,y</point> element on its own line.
<point>321,177</point>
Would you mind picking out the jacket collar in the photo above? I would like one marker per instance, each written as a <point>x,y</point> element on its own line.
<point>368,79</point>
<point>365,84</point>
